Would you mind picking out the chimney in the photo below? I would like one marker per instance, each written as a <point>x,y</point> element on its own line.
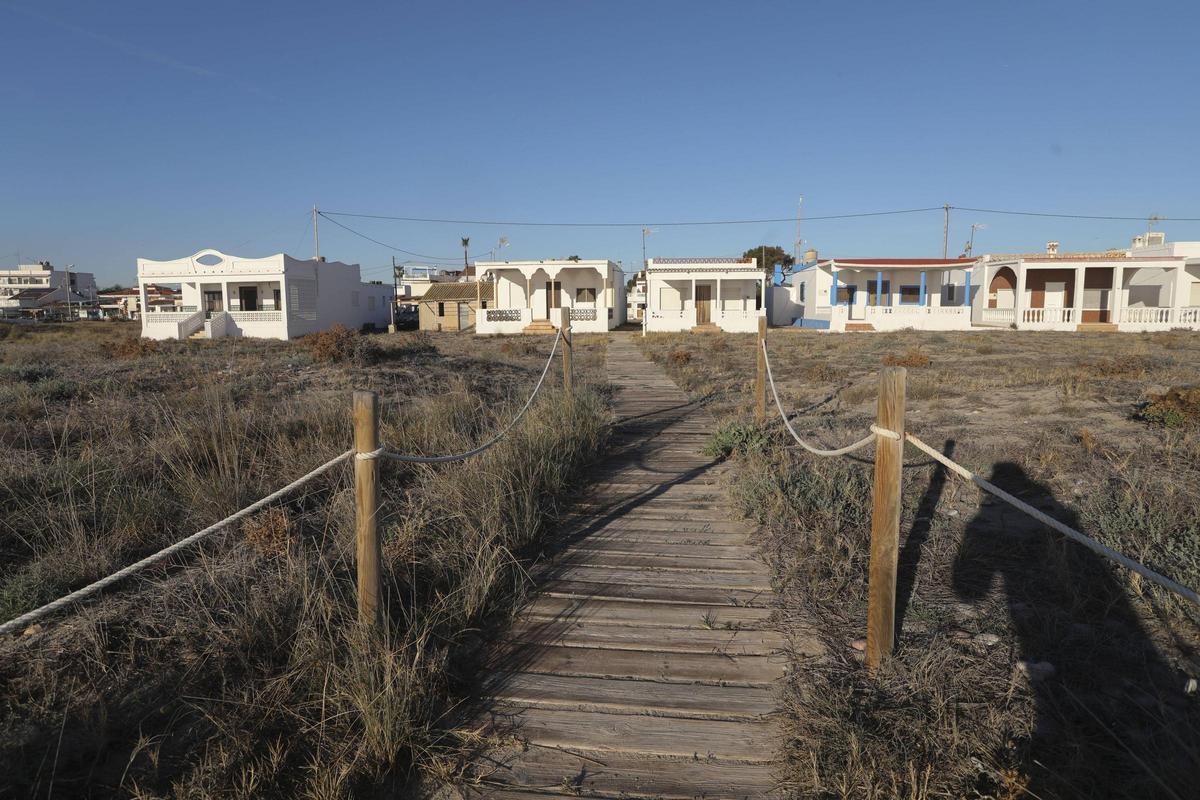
<point>1051,248</point>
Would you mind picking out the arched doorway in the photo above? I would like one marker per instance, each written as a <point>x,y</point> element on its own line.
<point>1002,291</point>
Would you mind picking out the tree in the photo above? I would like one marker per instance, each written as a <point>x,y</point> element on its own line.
<point>466,242</point>
<point>770,255</point>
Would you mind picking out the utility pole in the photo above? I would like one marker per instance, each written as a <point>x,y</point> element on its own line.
<point>67,270</point>
<point>395,292</point>
<point>945,229</point>
<point>316,238</point>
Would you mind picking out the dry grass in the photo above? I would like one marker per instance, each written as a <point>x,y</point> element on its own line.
<point>238,671</point>
<point>967,707</point>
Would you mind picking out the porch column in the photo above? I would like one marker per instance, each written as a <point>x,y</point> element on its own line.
<point>528,293</point>
<point>921,301</point>
<point>986,286</point>
<point>833,298</point>
<point>143,299</point>
<point>1019,294</point>
<point>1180,294</point>
<point>1115,301</point>
<point>967,289</point>
<point>693,294</point>
<point>225,296</point>
<point>283,305</point>
<point>718,297</point>
<point>1077,296</point>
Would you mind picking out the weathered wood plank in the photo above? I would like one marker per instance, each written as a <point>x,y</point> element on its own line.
<point>602,611</point>
<point>669,594</point>
<point>697,639</point>
<point>595,662</point>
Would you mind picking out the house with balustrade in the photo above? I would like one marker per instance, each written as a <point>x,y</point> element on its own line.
<point>276,297</point>
<point>528,296</point>
<point>705,294</point>
<point>879,294</point>
<point>1154,285</point>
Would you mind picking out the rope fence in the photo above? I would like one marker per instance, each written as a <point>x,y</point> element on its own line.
<point>889,435</point>
<point>365,455</point>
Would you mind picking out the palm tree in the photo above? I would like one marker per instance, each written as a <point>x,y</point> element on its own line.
<point>466,242</point>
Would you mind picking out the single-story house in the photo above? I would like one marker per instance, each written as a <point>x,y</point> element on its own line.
<point>125,303</point>
<point>529,295</point>
<point>880,294</point>
<point>276,297</point>
<point>453,306</point>
<point>59,302</point>
<point>1155,285</point>
<point>705,294</point>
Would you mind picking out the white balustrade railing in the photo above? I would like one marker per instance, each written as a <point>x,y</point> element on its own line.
<point>1146,315</point>
<point>189,325</point>
<point>1047,316</point>
<point>1190,315</point>
<point>583,315</point>
<point>167,317</point>
<point>1001,315</point>
<point>218,325</point>
<point>669,314</point>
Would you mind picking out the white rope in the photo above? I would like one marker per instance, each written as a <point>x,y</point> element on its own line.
<point>816,451</point>
<point>1045,519</point>
<point>476,451</point>
<point>93,588</point>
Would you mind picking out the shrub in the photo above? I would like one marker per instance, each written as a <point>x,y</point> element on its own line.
<point>913,357</point>
<point>1175,408</point>
<point>129,347</point>
<point>678,357</point>
<point>339,343</point>
<point>736,437</point>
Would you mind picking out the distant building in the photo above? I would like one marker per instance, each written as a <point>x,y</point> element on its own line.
<point>877,294</point>
<point>126,303</point>
<point>276,297</point>
<point>415,281</point>
<point>1154,285</point>
<point>43,276</point>
<point>705,294</point>
<point>453,306</point>
<point>530,295</point>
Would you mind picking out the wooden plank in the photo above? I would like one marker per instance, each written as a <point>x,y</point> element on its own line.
<point>689,579</point>
<point>574,693</point>
<point>602,611</point>
<point>566,632</point>
<point>744,742</point>
<point>725,530</point>
<point>597,662</point>
<point>623,775</point>
<point>669,594</point>
<point>669,559</point>
<point>613,546</point>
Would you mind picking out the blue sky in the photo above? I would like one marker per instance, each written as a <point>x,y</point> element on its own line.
<point>155,129</point>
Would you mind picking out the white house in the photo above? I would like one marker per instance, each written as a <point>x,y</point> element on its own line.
<point>39,276</point>
<point>276,297</point>
<point>415,281</point>
<point>1155,285</point>
<point>705,294</point>
<point>527,295</point>
<point>880,294</point>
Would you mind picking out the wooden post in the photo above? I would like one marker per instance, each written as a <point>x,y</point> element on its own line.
<point>760,380</point>
<point>366,505</point>
<point>566,348</point>
<point>885,519</point>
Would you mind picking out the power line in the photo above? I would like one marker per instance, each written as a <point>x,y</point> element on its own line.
<point>1075,216</point>
<point>393,247</point>
<point>620,224</point>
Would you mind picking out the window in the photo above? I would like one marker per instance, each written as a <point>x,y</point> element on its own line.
<point>441,309</point>
<point>276,297</point>
<point>354,299</point>
<point>948,293</point>
<point>585,294</point>
<point>371,302</point>
<point>846,294</point>
<point>802,287</point>
<point>910,295</point>
<point>873,293</point>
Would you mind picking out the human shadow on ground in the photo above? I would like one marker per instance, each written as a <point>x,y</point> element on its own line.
<point>1112,717</point>
<point>910,555</point>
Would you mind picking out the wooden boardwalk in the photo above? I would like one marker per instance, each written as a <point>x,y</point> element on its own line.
<point>644,666</point>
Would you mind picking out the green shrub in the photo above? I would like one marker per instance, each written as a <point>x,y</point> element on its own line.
<point>735,437</point>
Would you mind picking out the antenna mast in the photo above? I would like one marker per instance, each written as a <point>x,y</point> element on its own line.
<point>799,241</point>
<point>316,237</point>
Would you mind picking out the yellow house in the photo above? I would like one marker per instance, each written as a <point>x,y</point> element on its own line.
<point>452,306</point>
